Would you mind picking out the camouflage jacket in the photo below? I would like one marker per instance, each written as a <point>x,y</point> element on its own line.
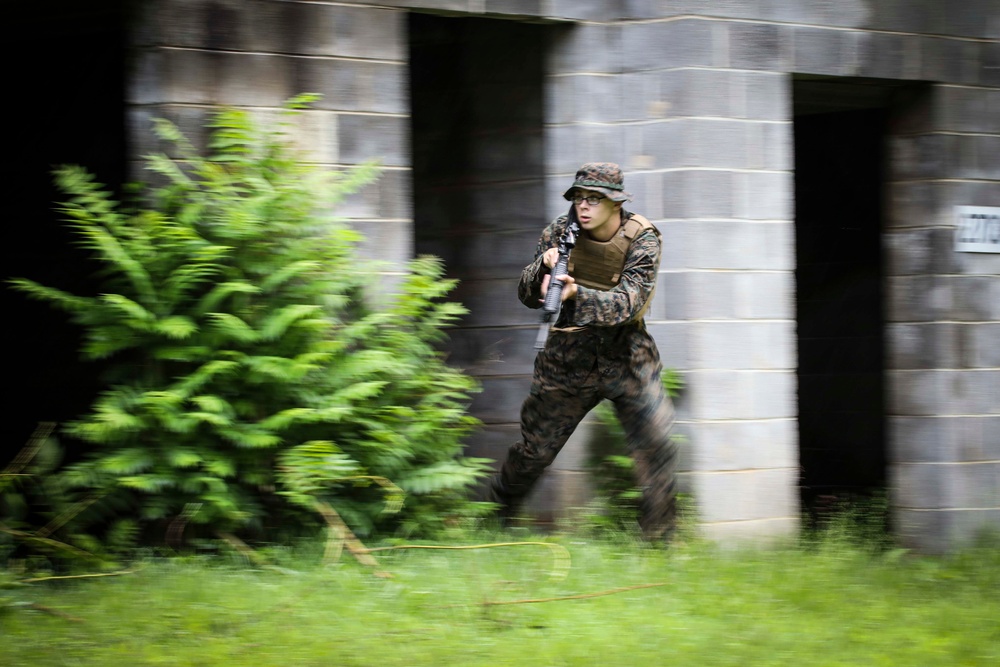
<point>593,307</point>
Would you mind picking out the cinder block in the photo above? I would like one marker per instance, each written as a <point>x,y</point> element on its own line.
<point>680,43</point>
<point>387,240</point>
<point>364,137</point>
<point>482,351</point>
<point>699,193</point>
<point>729,245</point>
<point>354,85</point>
<point>569,146</point>
<point>940,439</point>
<point>820,50</point>
<point>700,142</point>
<point>763,195</point>
<point>969,526</point>
<point>744,445</point>
<point>968,109</point>
<point>743,345</point>
<point>886,55</point>
<point>388,197</point>
<point>979,391</point>
<point>500,400</point>
<point>760,46</point>
<point>747,495</point>
<point>349,32</point>
<point>146,83</point>
<point>919,251</point>
<point>492,255</point>
<point>191,121</point>
<point>494,303</point>
<point>696,92</point>
<point>918,299</point>
<point>921,439</point>
<point>660,142</point>
<point>592,98</point>
<point>210,77</point>
<point>983,345</point>
<point>315,134</point>
<point>976,298</point>
<point>923,345</point>
<point>944,392</point>
<point>574,53</point>
<point>921,486</point>
<point>977,19</point>
<point>975,485</point>
<point>929,156</point>
<point>251,79</point>
<point>739,295</point>
<point>925,531</point>
<point>187,76</point>
<point>989,63</point>
<point>744,394</point>
<point>230,25</point>
<point>647,195</point>
<point>949,60</point>
<point>672,341</point>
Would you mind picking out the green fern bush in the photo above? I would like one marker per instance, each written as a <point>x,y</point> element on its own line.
<point>247,371</point>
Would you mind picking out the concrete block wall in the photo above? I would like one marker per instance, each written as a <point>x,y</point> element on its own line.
<point>195,56</point>
<point>944,317</point>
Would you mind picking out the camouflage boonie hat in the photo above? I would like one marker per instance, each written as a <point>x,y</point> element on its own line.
<point>603,177</point>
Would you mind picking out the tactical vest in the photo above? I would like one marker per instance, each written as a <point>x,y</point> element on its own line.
<point>599,264</point>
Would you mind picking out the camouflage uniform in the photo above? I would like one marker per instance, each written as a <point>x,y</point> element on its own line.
<point>598,349</point>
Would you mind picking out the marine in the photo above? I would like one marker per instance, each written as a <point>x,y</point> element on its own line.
<point>597,349</point>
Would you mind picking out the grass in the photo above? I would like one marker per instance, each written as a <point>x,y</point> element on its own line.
<point>826,602</point>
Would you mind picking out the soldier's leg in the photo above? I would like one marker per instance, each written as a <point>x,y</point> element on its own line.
<point>647,416</point>
<point>548,417</point>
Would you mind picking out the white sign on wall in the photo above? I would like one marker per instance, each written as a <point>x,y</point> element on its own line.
<point>977,229</point>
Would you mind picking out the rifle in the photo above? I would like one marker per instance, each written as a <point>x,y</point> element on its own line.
<point>553,297</point>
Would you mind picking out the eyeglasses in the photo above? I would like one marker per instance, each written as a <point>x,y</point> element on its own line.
<point>593,200</point>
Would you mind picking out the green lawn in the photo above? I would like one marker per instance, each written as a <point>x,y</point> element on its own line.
<point>828,604</point>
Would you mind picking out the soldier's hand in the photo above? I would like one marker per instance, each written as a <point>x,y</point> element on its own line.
<point>569,287</point>
<point>551,257</point>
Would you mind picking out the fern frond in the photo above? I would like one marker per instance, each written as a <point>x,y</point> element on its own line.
<point>222,291</point>
<point>62,300</point>
<point>233,328</point>
<point>176,327</point>
<point>278,323</point>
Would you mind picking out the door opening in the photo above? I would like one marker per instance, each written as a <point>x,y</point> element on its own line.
<point>840,136</point>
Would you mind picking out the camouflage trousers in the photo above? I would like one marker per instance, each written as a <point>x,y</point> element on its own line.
<point>574,372</point>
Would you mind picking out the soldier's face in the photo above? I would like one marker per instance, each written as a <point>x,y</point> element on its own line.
<point>595,218</point>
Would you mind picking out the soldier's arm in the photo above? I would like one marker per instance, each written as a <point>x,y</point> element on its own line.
<point>624,302</point>
<point>529,288</point>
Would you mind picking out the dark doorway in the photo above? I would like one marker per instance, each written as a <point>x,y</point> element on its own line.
<point>477,93</point>
<point>65,63</point>
<point>840,135</point>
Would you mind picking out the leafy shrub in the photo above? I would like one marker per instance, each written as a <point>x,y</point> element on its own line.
<point>244,360</point>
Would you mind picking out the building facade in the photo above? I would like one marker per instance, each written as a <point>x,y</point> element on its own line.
<point>826,177</point>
